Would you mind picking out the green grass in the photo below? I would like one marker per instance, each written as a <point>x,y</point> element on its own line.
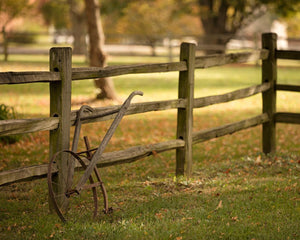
<point>235,192</point>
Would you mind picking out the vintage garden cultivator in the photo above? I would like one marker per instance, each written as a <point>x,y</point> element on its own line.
<point>66,189</point>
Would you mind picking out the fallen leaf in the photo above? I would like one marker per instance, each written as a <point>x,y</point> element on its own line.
<point>258,160</point>
<point>220,205</point>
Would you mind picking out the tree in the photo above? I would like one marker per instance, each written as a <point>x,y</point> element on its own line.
<point>148,20</point>
<point>151,21</point>
<point>10,10</point>
<point>78,26</point>
<point>97,55</point>
<point>293,25</point>
<point>221,19</point>
<point>70,15</point>
<point>55,12</point>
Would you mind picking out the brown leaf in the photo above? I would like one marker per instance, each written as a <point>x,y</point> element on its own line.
<point>154,153</point>
<point>220,205</point>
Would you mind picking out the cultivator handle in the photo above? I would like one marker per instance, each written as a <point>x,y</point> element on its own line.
<point>106,139</point>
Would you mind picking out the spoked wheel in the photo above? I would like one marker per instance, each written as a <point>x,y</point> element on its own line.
<point>67,202</point>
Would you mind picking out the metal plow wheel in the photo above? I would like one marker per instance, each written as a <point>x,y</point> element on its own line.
<point>69,203</point>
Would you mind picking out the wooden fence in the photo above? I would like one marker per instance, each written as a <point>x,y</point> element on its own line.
<point>61,118</point>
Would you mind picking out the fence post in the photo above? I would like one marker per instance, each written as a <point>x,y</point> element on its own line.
<point>184,155</point>
<point>269,74</point>
<point>60,106</point>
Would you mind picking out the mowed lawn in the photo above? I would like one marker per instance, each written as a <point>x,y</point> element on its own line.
<point>236,192</point>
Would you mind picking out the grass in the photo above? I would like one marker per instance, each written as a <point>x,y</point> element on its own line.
<point>236,192</point>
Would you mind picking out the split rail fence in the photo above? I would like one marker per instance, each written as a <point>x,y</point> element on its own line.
<point>61,118</point>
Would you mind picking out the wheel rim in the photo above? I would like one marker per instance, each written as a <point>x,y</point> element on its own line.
<point>76,205</point>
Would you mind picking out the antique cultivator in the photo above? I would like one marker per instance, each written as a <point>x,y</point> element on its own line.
<point>66,189</point>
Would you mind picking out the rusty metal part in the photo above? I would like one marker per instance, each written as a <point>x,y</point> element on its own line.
<point>81,184</point>
<point>103,189</point>
<point>71,165</point>
<point>54,196</point>
<point>106,139</point>
<point>82,109</point>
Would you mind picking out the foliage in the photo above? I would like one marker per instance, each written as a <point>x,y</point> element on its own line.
<point>6,113</point>
<point>236,14</point>
<point>226,17</point>
<point>153,26</point>
<point>293,27</point>
<point>10,9</point>
<point>56,12</point>
<point>151,21</point>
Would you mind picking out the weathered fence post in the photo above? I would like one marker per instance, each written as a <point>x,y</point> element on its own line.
<point>60,106</point>
<point>184,155</point>
<point>269,74</point>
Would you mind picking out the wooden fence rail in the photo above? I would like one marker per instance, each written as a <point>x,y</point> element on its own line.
<point>111,71</point>
<point>21,126</point>
<point>61,74</point>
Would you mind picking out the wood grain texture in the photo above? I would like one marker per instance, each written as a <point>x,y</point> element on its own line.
<point>184,155</point>
<point>269,75</point>
<point>9,127</point>
<point>207,134</point>
<point>222,59</point>
<point>288,54</point>
<point>21,126</point>
<point>111,71</point>
<point>107,159</point>
<point>285,87</point>
<point>60,106</point>
<point>227,97</point>
<point>283,117</point>
<point>28,77</point>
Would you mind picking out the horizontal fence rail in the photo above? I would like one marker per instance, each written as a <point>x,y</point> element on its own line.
<point>28,77</point>
<point>111,71</point>
<point>223,59</point>
<point>291,88</point>
<point>282,117</point>
<point>89,73</point>
<point>107,159</point>
<point>231,128</point>
<point>135,153</point>
<point>22,126</point>
<point>9,127</point>
<point>285,54</point>
<point>231,96</point>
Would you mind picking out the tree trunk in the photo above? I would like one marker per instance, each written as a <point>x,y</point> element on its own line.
<point>214,43</point>
<point>97,55</point>
<point>152,44</point>
<point>214,25</point>
<point>5,44</point>
<point>78,22</point>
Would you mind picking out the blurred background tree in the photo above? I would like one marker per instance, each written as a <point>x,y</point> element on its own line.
<point>9,11</point>
<point>55,13</point>
<point>97,56</point>
<point>221,19</point>
<point>78,26</point>
<point>160,19</point>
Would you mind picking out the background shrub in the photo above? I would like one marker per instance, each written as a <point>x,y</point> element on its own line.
<point>6,113</point>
